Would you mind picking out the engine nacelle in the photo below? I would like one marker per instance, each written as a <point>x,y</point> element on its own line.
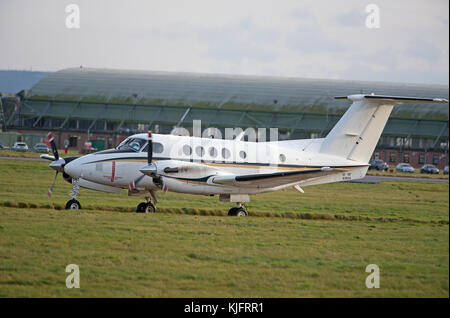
<point>66,177</point>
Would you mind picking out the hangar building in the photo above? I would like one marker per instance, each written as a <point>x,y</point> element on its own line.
<point>104,106</point>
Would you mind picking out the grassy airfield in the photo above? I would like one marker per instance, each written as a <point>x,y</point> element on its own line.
<point>315,244</point>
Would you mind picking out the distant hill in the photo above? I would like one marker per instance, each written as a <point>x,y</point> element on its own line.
<point>15,81</point>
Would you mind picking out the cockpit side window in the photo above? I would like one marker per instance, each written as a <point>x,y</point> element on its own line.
<point>157,147</point>
<point>132,143</point>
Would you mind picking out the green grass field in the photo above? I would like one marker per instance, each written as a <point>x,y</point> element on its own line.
<point>302,245</point>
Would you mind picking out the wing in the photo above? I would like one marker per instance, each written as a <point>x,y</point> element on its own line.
<point>270,180</point>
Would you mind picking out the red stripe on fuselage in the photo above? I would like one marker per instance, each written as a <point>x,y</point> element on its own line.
<point>113,172</point>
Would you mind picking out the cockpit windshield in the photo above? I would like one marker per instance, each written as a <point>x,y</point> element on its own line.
<point>132,143</point>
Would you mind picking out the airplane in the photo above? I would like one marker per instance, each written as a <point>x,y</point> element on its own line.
<point>232,169</point>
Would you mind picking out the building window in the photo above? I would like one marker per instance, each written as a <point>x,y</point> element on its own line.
<point>392,157</point>
<point>377,155</point>
<point>421,158</point>
<point>406,158</point>
<point>73,141</point>
<point>436,159</point>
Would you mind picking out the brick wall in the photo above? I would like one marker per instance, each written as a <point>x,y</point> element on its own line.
<point>416,158</point>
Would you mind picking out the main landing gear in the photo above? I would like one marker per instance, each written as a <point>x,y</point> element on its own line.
<point>146,207</point>
<point>73,204</point>
<point>238,211</point>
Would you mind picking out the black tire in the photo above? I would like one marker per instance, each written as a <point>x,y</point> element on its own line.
<point>241,212</point>
<point>237,212</point>
<point>232,211</point>
<point>145,207</point>
<point>73,205</point>
<point>150,208</point>
<point>141,207</point>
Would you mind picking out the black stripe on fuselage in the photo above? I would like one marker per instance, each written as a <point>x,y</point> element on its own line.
<point>221,162</point>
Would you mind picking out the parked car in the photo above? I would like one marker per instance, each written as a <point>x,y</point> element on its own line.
<point>429,169</point>
<point>41,148</point>
<point>20,146</point>
<point>378,165</point>
<point>404,167</point>
<point>446,170</point>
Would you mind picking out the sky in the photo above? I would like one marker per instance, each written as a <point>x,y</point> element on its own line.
<point>312,39</point>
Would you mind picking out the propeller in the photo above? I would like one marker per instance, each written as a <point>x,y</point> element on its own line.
<point>152,167</point>
<point>57,163</point>
<point>150,148</point>
<point>51,140</point>
<point>50,190</point>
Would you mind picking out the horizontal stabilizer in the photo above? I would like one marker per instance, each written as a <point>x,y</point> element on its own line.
<point>397,99</point>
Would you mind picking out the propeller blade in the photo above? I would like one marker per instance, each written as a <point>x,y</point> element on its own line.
<point>47,157</point>
<point>132,185</point>
<point>164,187</point>
<point>51,139</point>
<point>150,148</point>
<point>50,190</point>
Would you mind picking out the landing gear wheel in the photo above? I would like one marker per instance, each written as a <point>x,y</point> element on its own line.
<point>73,205</point>
<point>232,211</point>
<point>237,212</point>
<point>150,208</point>
<point>241,212</point>
<point>145,207</point>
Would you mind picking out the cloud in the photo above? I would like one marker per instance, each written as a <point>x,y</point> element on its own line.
<point>312,39</point>
<point>239,41</point>
<point>423,49</point>
<point>308,39</point>
<point>352,18</point>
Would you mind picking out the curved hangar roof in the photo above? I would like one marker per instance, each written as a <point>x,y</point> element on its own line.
<point>227,91</point>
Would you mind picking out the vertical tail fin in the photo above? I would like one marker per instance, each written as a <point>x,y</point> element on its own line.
<point>356,134</point>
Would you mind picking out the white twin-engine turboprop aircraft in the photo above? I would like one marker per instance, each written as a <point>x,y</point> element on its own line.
<point>232,169</point>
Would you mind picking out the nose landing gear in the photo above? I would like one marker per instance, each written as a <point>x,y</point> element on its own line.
<point>73,204</point>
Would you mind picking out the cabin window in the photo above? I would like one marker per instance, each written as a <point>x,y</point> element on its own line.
<point>213,152</point>
<point>200,151</point>
<point>187,150</point>
<point>226,153</point>
<point>282,158</point>
<point>242,154</point>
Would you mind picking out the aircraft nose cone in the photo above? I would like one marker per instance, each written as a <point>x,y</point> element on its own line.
<point>58,165</point>
<point>73,169</point>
